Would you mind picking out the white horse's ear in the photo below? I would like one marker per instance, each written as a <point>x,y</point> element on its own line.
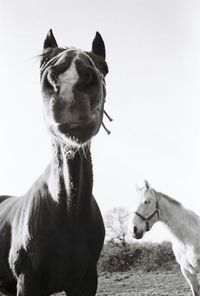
<point>137,188</point>
<point>147,184</point>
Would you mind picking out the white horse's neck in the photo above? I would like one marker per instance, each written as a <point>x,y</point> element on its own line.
<point>181,222</point>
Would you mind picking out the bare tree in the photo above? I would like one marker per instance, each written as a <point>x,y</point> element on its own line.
<point>116,223</point>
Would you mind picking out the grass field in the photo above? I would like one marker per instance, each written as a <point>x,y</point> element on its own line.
<point>165,283</point>
<point>132,283</point>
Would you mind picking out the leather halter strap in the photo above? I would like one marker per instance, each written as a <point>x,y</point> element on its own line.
<point>147,219</point>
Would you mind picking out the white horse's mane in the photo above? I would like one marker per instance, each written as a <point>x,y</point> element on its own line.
<point>170,199</point>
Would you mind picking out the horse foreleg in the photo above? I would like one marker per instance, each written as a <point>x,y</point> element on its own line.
<point>88,285</point>
<point>27,285</point>
<point>192,280</point>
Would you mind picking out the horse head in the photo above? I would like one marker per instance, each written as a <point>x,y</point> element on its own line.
<point>73,89</point>
<point>147,211</point>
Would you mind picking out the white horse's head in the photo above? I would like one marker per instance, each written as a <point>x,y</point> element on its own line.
<point>147,212</point>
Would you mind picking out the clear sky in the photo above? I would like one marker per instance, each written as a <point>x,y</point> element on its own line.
<point>153,94</point>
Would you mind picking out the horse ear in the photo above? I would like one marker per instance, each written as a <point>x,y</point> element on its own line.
<point>98,46</point>
<point>50,41</point>
<point>137,188</point>
<point>147,184</point>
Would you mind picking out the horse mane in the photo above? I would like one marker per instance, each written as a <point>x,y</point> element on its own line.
<point>170,199</point>
<point>51,51</point>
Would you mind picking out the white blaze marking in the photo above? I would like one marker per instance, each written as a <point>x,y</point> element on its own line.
<point>66,81</point>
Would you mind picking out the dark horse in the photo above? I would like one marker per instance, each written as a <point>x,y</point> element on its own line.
<point>51,238</point>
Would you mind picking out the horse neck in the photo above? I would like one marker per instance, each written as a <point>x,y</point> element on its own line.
<point>174,216</point>
<point>70,180</point>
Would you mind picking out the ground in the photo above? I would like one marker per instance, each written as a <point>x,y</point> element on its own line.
<point>165,283</point>
<point>132,283</point>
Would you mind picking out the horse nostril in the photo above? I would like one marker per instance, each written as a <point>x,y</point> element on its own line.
<point>135,229</point>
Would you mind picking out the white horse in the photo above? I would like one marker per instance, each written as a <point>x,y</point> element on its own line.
<point>183,224</point>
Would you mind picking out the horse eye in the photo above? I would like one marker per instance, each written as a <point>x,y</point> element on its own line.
<point>54,76</point>
<point>146,202</point>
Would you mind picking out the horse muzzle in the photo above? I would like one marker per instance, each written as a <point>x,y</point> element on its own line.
<point>81,131</point>
<point>137,234</point>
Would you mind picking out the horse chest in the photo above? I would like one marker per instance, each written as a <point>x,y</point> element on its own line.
<point>65,262</point>
<point>66,248</point>
<point>187,256</point>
